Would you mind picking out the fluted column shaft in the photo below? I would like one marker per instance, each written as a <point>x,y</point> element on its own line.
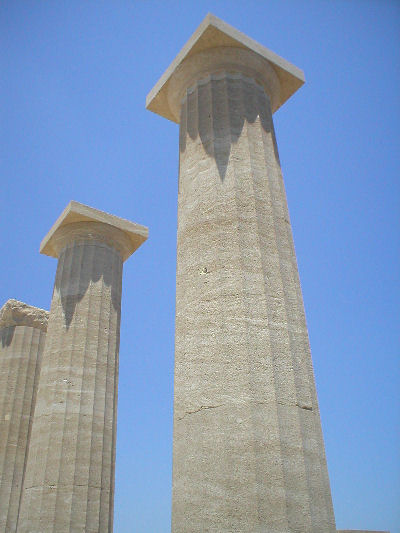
<point>248,453</point>
<point>69,482</point>
<point>22,336</point>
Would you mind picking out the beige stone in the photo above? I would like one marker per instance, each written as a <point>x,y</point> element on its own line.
<point>215,33</point>
<point>248,452</point>
<point>22,336</point>
<point>134,234</point>
<point>69,482</point>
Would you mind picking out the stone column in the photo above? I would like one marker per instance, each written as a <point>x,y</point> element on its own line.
<point>69,482</point>
<point>248,453</point>
<point>22,336</point>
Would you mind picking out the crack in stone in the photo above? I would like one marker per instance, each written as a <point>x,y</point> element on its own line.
<point>259,402</point>
<point>202,408</point>
<point>63,485</point>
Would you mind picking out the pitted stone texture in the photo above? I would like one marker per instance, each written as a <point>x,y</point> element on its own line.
<point>22,337</point>
<point>15,313</point>
<point>70,470</point>
<point>248,453</point>
<point>69,483</point>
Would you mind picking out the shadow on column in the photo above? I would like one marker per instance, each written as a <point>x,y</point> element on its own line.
<point>216,112</point>
<point>94,266</point>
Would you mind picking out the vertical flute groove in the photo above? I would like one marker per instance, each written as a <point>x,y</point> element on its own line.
<point>22,334</point>
<point>279,514</point>
<point>246,447</point>
<point>75,494</point>
<point>31,348</point>
<point>116,281</point>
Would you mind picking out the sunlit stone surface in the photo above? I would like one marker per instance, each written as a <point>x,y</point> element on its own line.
<point>22,336</point>
<point>69,482</point>
<point>248,452</point>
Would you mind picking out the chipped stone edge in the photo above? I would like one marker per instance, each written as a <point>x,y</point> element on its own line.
<point>16,313</point>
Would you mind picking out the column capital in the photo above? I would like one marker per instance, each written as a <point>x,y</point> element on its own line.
<point>15,313</point>
<point>216,46</point>
<point>81,222</point>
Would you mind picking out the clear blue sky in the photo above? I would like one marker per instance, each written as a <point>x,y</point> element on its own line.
<point>74,77</point>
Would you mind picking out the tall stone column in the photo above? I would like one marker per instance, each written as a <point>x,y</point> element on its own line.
<point>248,453</point>
<point>69,482</point>
<point>22,336</point>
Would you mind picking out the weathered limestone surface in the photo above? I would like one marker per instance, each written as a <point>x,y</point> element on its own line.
<point>69,483</point>
<point>248,452</point>
<point>359,531</point>
<point>22,336</point>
